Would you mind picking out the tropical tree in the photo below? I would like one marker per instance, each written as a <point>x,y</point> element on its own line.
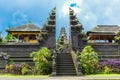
<point>41,59</point>
<point>117,37</point>
<point>9,37</point>
<point>89,60</point>
<point>0,40</point>
<point>0,37</point>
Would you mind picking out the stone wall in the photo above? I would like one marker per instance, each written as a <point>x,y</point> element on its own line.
<point>106,50</point>
<point>19,52</point>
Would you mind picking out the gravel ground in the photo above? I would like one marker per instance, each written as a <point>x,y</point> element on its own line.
<point>65,78</point>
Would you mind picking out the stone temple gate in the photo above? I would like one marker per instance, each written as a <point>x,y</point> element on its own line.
<point>63,63</point>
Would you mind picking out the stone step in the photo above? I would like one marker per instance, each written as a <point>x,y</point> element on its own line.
<point>64,58</point>
<point>60,69</point>
<point>65,67</point>
<point>66,71</point>
<point>67,62</point>
<point>64,61</point>
<point>110,56</point>
<point>19,54</point>
<point>105,59</point>
<point>64,74</point>
<point>21,59</point>
<point>29,63</point>
<point>68,59</point>
<point>107,53</point>
<point>64,55</point>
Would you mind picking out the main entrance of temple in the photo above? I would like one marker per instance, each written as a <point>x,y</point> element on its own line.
<point>63,61</point>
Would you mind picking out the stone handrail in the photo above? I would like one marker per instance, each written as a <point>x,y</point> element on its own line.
<point>54,63</point>
<point>76,61</point>
<point>5,56</point>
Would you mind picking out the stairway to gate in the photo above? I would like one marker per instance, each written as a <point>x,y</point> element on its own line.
<point>65,64</point>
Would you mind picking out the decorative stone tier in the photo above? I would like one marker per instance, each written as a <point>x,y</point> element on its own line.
<point>19,52</point>
<point>106,51</point>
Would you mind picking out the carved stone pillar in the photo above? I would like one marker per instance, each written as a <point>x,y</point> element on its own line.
<point>79,73</point>
<point>4,59</point>
<point>54,63</point>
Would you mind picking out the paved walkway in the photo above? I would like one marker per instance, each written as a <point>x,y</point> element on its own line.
<point>65,78</point>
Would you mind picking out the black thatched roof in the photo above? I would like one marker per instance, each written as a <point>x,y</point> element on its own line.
<point>27,27</point>
<point>105,29</point>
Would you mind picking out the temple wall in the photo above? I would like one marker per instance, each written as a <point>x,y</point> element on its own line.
<point>19,52</point>
<point>106,50</point>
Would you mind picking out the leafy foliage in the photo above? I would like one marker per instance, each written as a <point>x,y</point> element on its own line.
<point>25,68</point>
<point>11,62</point>
<point>41,59</point>
<point>89,60</point>
<point>18,69</point>
<point>114,65</point>
<point>1,40</point>
<point>59,46</point>
<point>14,68</point>
<point>106,70</point>
<point>8,38</point>
<point>117,37</point>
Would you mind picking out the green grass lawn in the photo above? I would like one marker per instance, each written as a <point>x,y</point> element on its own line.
<point>103,75</point>
<point>20,76</point>
<point>46,76</point>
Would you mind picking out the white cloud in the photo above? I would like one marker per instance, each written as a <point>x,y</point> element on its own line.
<point>77,10</point>
<point>87,17</point>
<point>19,17</point>
<point>65,10</point>
<point>66,5</point>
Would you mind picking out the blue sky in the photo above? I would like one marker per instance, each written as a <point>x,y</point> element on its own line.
<point>89,12</point>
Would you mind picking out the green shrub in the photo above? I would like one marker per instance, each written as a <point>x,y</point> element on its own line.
<point>41,59</point>
<point>89,60</point>
<point>106,70</point>
<point>25,69</point>
<point>17,69</point>
<point>9,66</point>
<point>11,62</point>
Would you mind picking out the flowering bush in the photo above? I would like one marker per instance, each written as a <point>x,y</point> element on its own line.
<point>17,68</point>
<point>14,68</point>
<point>114,65</point>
